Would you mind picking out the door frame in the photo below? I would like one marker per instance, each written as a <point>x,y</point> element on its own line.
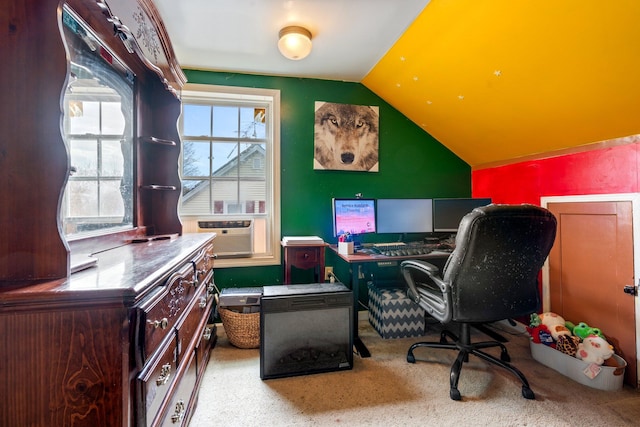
<point>634,198</point>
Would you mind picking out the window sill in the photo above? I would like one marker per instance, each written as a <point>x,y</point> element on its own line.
<point>246,262</point>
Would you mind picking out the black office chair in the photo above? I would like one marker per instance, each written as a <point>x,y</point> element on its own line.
<point>491,275</point>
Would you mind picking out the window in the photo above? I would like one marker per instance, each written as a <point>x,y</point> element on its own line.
<point>230,165</point>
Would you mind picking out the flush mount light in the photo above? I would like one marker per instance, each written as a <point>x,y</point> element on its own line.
<point>294,42</point>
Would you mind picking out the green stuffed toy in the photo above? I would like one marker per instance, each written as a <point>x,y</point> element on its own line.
<point>534,320</point>
<point>583,330</point>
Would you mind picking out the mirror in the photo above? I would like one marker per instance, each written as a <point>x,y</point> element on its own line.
<point>98,128</point>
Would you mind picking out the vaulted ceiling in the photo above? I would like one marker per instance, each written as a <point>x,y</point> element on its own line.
<point>496,80</point>
<point>493,80</point>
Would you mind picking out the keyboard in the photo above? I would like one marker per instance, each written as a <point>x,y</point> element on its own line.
<point>402,249</point>
<point>389,246</point>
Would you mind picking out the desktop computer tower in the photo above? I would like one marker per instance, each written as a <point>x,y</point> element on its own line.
<point>305,329</point>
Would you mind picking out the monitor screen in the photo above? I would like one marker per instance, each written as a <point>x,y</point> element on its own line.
<point>404,215</point>
<point>447,213</point>
<point>354,216</point>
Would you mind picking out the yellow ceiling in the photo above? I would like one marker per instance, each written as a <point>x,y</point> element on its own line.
<point>498,80</point>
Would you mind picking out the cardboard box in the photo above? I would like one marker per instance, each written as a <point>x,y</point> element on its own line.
<point>393,314</point>
<point>608,377</point>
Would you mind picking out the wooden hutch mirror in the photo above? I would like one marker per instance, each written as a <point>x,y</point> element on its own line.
<point>55,141</point>
<point>98,128</point>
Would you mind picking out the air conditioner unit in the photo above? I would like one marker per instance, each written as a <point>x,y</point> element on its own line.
<point>234,238</point>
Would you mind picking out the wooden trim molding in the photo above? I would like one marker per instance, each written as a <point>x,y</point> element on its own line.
<point>142,20</point>
<point>179,78</point>
<point>609,143</point>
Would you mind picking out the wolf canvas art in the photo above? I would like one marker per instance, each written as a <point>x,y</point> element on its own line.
<point>346,137</point>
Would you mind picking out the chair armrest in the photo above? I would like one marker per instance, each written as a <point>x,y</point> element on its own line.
<point>427,268</point>
<point>431,294</point>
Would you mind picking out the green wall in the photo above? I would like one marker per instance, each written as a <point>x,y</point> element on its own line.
<point>412,164</point>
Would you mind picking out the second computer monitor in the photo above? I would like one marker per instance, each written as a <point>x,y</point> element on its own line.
<point>404,215</point>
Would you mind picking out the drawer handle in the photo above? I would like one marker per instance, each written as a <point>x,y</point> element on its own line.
<point>162,324</point>
<point>306,255</point>
<point>211,289</point>
<point>206,335</point>
<point>203,302</point>
<point>178,415</point>
<point>193,282</point>
<point>165,374</point>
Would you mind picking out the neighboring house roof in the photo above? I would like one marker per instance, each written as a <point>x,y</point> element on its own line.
<point>245,155</point>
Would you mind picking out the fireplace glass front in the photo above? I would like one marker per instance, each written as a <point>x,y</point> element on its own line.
<point>305,329</point>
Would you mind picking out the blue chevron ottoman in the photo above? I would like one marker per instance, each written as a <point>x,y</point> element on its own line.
<point>393,314</point>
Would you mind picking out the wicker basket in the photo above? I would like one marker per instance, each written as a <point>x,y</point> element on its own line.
<point>242,329</point>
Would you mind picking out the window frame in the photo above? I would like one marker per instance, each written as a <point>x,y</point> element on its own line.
<point>205,93</point>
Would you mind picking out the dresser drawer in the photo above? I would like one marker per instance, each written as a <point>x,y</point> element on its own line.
<point>203,262</point>
<point>193,322</point>
<point>203,348</point>
<point>154,382</point>
<point>207,334</point>
<point>180,408</point>
<point>159,315</point>
<point>306,255</point>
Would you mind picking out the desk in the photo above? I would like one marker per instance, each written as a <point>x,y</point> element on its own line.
<point>358,263</point>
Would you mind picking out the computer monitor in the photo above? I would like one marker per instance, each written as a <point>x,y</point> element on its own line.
<point>447,213</point>
<point>404,215</point>
<point>354,216</point>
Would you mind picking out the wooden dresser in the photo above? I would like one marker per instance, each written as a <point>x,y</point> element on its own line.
<point>123,343</point>
<point>126,342</point>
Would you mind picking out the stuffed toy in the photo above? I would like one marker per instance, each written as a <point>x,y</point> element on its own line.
<point>568,344</point>
<point>546,338</point>
<point>534,320</point>
<point>540,335</point>
<point>583,330</point>
<point>594,349</point>
<point>555,324</point>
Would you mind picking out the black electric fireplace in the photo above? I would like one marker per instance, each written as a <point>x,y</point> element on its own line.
<point>305,329</point>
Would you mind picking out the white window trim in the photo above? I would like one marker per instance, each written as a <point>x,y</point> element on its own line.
<point>272,167</point>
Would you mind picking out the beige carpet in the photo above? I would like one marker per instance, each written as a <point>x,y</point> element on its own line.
<point>385,390</point>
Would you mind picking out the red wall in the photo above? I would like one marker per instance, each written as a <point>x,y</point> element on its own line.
<point>604,171</point>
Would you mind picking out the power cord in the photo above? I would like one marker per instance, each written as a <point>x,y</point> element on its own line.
<point>333,278</point>
<point>513,330</point>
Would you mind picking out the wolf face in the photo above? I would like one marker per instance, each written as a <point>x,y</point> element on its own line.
<point>346,137</point>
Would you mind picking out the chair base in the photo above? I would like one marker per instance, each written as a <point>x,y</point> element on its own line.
<point>465,348</point>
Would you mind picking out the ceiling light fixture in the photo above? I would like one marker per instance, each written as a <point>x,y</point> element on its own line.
<point>294,42</point>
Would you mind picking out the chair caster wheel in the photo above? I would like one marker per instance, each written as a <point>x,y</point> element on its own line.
<point>411,358</point>
<point>527,393</point>
<point>454,394</point>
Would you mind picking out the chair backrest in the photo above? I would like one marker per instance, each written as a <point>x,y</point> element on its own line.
<point>494,268</point>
